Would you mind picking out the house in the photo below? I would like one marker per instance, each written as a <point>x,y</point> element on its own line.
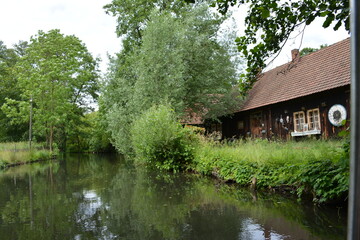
<point>309,96</point>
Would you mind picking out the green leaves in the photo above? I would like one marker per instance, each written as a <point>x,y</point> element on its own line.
<point>329,19</point>
<point>279,166</point>
<point>159,139</point>
<point>180,62</point>
<point>273,21</point>
<point>58,73</point>
<point>133,16</point>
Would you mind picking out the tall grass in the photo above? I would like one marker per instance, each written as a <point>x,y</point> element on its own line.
<point>317,167</point>
<point>20,152</point>
<point>263,151</point>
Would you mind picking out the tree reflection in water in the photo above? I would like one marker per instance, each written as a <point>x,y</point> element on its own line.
<point>106,197</point>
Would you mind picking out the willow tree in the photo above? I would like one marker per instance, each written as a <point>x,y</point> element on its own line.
<point>179,61</point>
<point>59,76</point>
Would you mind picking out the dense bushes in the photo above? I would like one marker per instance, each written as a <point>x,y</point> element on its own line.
<point>159,139</point>
<point>319,168</point>
<point>315,168</point>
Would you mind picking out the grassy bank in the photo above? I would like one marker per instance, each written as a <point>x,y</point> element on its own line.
<point>19,153</point>
<point>317,167</point>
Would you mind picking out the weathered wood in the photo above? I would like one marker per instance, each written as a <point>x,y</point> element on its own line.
<point>279,117</point>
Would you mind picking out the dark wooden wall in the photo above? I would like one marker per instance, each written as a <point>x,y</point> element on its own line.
<point>276,120</point>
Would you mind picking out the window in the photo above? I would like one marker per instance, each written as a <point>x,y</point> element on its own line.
<point>299,121</point>
<point>313,119</point>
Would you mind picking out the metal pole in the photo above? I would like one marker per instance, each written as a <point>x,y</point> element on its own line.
<point>354,191</point>
<point>30,123</point>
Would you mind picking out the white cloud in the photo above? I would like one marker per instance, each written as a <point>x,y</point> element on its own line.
<point>85,19</point>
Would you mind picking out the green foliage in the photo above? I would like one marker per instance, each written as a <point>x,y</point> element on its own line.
<point>308,50</point>
<point>270,23</point>
<point>160,140</point>
<point>325,179</point>
<point>20,152</point>
<point>133,15</point>
<point>316,167</point>
<point>89,135</point>
<point>179,61</point>
<point>9,89</point>
<point>59,75</point>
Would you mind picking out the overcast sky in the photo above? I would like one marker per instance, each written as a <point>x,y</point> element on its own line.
<point>86,19</point>
<point>314,36</point>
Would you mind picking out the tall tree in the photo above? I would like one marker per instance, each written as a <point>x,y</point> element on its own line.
<point>179,61</point>
<point>59,75</point>
<point>133,16</point>
<point>9,89</point>
<point>269,24</point>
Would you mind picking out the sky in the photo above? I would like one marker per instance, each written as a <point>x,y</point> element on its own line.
<point>86,19</point>
<point>314,36</point>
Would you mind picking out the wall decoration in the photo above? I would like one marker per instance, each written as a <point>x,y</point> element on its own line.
<point>337,114</point>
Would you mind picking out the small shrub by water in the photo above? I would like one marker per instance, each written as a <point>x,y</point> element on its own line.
<point>159,139</point>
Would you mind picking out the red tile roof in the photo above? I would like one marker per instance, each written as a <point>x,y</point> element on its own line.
<point>322,70</point>
<point>192,118</point>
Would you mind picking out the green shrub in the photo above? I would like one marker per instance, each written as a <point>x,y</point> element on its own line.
<point>159,139</point>
<point>317,167</point>
<point>326,180</point>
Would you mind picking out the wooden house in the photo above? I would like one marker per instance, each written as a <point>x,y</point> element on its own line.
<point>309,96</point>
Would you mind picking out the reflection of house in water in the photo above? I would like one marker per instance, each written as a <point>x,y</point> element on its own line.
<point>308,96</point>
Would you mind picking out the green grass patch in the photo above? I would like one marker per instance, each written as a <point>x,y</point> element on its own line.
<point>20,152</point>
<point>317,167</point>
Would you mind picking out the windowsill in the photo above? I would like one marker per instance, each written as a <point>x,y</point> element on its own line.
<point>305,133</point>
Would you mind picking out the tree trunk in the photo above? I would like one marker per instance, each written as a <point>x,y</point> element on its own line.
<point>51,138</point>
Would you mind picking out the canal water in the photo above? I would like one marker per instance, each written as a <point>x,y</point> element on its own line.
<point>106,197</point>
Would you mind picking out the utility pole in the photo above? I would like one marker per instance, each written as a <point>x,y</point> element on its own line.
<point>354,191</point>
<point>30,122</point>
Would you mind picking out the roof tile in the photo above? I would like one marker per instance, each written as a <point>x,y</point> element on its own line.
<point>322,70</point>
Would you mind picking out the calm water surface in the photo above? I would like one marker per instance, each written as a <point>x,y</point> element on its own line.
<point>106,197</point>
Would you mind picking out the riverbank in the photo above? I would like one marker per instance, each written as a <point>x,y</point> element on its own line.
<point>319,168</point>
<point>316,168</point>
<point>18,153</point>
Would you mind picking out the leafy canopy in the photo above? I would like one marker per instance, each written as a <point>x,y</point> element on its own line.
<point>270,22</point>
<point>133,16</point>
<point>9,89</point>
<point>58,74</point>
<point>308,50</point>
<point>180,62</point>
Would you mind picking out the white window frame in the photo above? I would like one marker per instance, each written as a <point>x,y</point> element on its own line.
<point>306,124</point>
<point>314,120</point>
<point>299,121</point>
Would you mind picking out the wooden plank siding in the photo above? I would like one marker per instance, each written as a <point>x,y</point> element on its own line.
<point>276,121</point>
